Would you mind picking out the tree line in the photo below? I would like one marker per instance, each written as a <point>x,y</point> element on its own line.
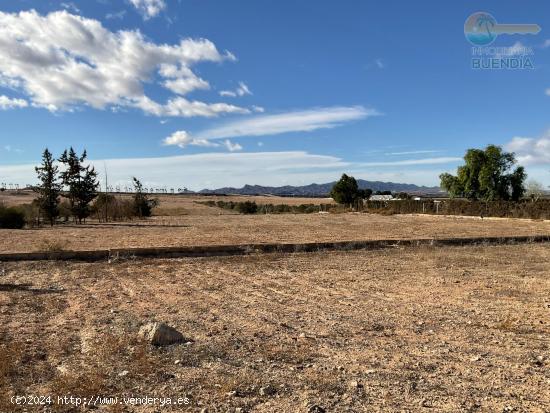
<point>488,174</point>
<point>71,179</point>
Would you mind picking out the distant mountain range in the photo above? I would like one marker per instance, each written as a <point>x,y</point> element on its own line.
<point>320,190</point>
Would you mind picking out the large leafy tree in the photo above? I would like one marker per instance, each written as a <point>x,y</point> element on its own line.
<point>345,191</point>
<point>81,182</point>
<point>49,188</point>
<point>487,174</point>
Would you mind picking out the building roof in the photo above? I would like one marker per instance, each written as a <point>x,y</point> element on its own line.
<point>380,198</point>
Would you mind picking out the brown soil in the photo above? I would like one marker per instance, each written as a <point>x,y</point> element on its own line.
<point>404,330</point>
<point>242,229</point>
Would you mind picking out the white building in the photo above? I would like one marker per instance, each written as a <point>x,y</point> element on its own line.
<point>381,198</point>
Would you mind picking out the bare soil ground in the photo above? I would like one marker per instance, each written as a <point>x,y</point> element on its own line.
<point>406,330</point>
<point>171,204</point>
<point>186,222</point>
<point>210,229</point>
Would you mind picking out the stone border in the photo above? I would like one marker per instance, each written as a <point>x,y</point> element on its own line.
<point>244,249</point>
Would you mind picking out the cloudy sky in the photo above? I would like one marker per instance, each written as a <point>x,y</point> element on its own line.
<point>214,93</point>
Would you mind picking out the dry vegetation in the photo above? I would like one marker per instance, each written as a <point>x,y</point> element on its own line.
<point>460,329</point>
<point>419,329</point>
<point>172,204</point>
<point>189,223</point>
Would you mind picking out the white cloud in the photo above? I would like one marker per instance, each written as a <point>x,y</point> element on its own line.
<point>297,121</point>
<point>241,90</point>
<point>377,63</point>
<point>149,8</point>
<point>197,171</point>
<point>300,121</point>
<point>421,152</point>
<point>425,161</point>
<point>232,147</point>
<point>70,6</point>
<point>182,139</point>
<point>530,151</point>
<point>218,169</point>
<point>118,15</point>
<point>8,103</point>
<point>62,61</point>
<point>181,80</point>
<point>9,148</point>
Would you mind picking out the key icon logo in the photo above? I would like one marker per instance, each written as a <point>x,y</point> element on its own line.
<point>481,29</point>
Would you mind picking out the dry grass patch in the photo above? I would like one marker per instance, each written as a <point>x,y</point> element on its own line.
<point>444,329</point>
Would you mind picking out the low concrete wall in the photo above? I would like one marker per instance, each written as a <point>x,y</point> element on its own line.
<point>243,249</point>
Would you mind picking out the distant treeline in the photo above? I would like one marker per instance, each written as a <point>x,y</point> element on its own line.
<point>73,192</point>
<point>539,209</point>
<point>250,207</point>
<point>506,209</point>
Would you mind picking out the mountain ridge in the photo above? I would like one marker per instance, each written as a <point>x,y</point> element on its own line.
<point>318,190</point>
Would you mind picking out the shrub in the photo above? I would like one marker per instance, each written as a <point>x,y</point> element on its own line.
<point>107,207</point>
<point>247,207</point>
<point>31,213</point>
<point>250,207</point>
<point>510,209</point>
<point>143,205</point>
<point>65,210</point>
<point>11,218</point>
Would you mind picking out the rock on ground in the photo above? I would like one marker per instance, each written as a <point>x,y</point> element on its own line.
<point>160,334</point>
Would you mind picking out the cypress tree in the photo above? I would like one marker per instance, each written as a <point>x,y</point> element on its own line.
<point>49,188</point>
<point>81,182</point>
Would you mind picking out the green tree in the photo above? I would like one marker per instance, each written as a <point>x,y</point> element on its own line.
<point>81,182</point>
<point>345,191</point>
<point>487,175</point>
<point>143,206</point>
<point>364,193</point>
<point>49,188</point>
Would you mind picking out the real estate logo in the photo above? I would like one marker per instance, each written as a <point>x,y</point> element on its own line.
<point>481,30</point>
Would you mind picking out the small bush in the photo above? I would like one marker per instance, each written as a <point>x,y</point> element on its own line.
<point>247,207</point>
<point>53,245</point>
<point>107,207</point>
<point>31,213</point>
<point>11,218</point>
<point>65,210</point>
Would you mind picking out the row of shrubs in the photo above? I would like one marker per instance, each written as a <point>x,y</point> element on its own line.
<point>106,207</point>
<point>505,209</point>
<point>250,207</point>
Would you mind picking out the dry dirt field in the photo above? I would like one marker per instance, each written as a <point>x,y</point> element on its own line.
<point>176,204</point>
<point>244,229</point>
<point>462,329</point>
<point>190,223</point>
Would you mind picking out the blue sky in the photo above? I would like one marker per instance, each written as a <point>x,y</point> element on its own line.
<point>216,93</point>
